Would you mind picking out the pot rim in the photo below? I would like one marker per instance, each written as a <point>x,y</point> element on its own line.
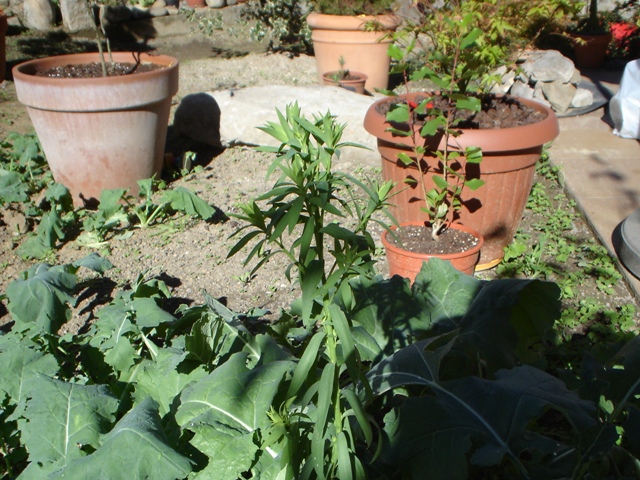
<point>447,256</point>
<point>26,70</point>
<point>489,140</point>
<point>362,77</point>
<point>95,94</point>
<point>323,21</point>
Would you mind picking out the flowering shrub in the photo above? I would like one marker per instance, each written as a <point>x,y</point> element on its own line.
<point>626,40</point>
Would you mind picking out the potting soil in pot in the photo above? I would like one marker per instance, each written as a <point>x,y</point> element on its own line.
<point>418,239</point>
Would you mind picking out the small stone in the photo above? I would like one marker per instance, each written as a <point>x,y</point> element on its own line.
<point>521,90</point>
<point>216,3</point>
<point>159,4</point>
<point>582,98</point>
<point>559,95</point>
<point>38,14</point>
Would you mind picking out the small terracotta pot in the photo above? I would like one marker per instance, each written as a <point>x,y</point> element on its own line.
<point>592,50</point>
<point>408,264</point>
<point>99,133</point>
<point>344,36</point>
<point>196,3</point>
<point>355,82</point>
<point>507,168</point>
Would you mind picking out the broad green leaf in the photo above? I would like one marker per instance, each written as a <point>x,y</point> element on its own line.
<point>12,188</point>
<point>149,314</point>
<point>440,182</point>
<point>94,262</point>
<point>398,113</point>
<point>161,380</point>
<point>184,200</point>
<point>61,418</point>
<point>229,405</point>
<point>447,292</point>
<point>430,127</point>
<point>508,322</point>
<point>40,300</point>
<point>387,312</point>
<point>135,449</point>
<point>496,415</point>
<point>474,184</point>
<point>48,232</point>
<point>20,363</point>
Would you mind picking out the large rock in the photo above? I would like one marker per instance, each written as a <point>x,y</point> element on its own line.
<point>559,94</point>
<point>76,16</point>
<point>549,66</point>
<point>38,14</point>
<point>229,117</point>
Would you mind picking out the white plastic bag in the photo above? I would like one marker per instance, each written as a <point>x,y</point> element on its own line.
<point>624,107</point>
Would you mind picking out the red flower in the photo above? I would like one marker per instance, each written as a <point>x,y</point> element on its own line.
<point>412,105</point>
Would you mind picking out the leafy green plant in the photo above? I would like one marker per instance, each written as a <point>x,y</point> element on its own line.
<point>451,368</point>
<point>282,22</point>
<point>29,195</point>
<point>312,198</point>
<point>432,120</point>
<point>353,7</point>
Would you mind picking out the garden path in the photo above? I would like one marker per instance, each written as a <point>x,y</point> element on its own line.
<point>600,170</point>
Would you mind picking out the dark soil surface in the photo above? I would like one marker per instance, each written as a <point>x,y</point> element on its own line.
<point>495,112</point>
<point>94,70</point>
<point>418,239</point>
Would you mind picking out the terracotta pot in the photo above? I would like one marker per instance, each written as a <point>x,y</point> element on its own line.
<point>99,133</point>
<point>507,168</point>
<point>355,82</point>
<point>3,46</point>
<point>408,264</point>
<point>196,3</point>
<point>343,36</point>
<point>591,52</point>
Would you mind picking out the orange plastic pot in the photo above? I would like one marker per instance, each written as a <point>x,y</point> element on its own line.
<point>343,36</point>
<point>408,264</point>
<point>99,133</point>
<point>507,168</point>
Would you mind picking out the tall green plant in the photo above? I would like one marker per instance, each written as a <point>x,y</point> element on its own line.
<point>318,218</point>
<point>432,120</point>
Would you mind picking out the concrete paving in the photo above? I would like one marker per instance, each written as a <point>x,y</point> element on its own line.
<point>601,171</point>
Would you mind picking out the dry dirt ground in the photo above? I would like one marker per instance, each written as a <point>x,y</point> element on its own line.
<point>191,256</point>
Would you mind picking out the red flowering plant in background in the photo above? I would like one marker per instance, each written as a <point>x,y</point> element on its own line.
<point>626,40</point>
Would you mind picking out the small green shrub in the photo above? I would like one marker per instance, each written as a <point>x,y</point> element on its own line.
<point>353,7</point>
<point>282,22</point>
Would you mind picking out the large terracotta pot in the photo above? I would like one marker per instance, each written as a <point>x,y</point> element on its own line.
<point>408,264</point>
<point>591,51</point>
<point>3,45</point>
<point>99,133</point>
<point>343,36</point>
<point>507,168</point>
